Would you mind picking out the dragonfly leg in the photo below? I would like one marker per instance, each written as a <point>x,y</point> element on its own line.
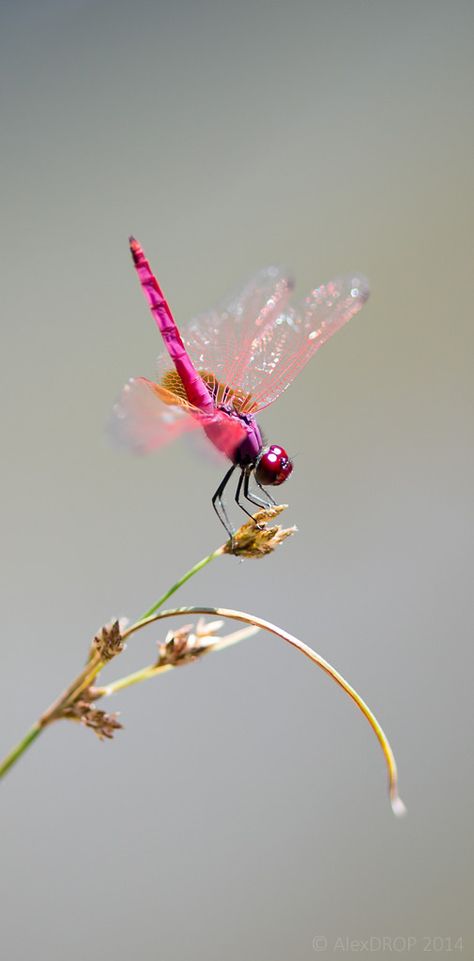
<point>254,498</point>
<point>271,500</point>
<point>219,505</point>
<point>243,479</point>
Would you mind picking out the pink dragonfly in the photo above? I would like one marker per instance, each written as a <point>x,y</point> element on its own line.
<point>226,366</point>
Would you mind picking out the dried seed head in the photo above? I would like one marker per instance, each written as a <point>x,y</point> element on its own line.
<point>186,643</point>
<point>177,647</point>
<point>103,724</point>
<point>108,642</point>
<point>253,539</point>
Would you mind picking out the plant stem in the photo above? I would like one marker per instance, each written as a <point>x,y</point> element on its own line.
<point>20,748</point>
<point>144,674</point>
<point>397,804</point>
<point>87,675</point>
<point>75,689</point>
<point>186,577</point>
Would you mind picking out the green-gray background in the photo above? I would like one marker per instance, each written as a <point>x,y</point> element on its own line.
<point>242,812</point>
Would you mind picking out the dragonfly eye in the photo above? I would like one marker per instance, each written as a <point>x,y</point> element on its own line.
<point>273,466</point>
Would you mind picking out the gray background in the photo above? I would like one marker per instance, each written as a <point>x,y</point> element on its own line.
<point>243,810</point>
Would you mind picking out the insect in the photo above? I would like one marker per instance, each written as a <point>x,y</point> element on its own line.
<point>225,366</point>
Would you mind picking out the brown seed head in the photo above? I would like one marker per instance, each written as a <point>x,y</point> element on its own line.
<point>186,643</point>
<point>108,642</point>
<point>103,724</point>
<point>253,539</point>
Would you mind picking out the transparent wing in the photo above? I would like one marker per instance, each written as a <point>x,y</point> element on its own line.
<point>221,340</point>
<point>147,416</point>
<point>142,422</point>
<point>289,341</point>
<point>256,344</point>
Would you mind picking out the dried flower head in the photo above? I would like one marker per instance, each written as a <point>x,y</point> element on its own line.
<point>103,724</point>
<point>186,643</point>
<point>254,539</point>
<point>108,641</point>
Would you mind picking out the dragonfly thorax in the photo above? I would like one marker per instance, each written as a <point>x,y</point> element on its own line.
<point>250,448</point>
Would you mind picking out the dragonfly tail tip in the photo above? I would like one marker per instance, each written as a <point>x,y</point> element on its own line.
<point>135,248</point>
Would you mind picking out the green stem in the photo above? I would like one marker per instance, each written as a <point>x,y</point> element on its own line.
<point>90,672</point>
<point>197,567</point>
<point>20,748</point>
<point>143,675</point>
<point>73,692</point>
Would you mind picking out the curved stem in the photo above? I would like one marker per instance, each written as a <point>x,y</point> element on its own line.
<point>397,804</point>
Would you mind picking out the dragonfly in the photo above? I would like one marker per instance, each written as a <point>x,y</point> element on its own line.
<point>222,368</point>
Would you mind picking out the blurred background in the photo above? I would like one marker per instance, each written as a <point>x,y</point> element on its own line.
<point>243,810</point>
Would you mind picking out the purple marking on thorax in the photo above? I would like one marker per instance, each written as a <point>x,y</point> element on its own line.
<point>249,448</point>
<point>251,445</point>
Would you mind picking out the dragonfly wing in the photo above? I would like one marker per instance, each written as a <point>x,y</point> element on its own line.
<point>289,341</point>
<point>142,421</point>
<point>147,416</point>
<point>220,341</point>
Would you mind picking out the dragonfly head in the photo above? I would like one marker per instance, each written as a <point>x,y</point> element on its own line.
<point>273,466</point>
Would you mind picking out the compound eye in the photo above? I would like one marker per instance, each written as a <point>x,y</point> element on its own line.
<point>273,467</point>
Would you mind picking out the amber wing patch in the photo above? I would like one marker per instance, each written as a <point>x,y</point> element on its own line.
<point>171,391</point>
<point>172,386</point>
